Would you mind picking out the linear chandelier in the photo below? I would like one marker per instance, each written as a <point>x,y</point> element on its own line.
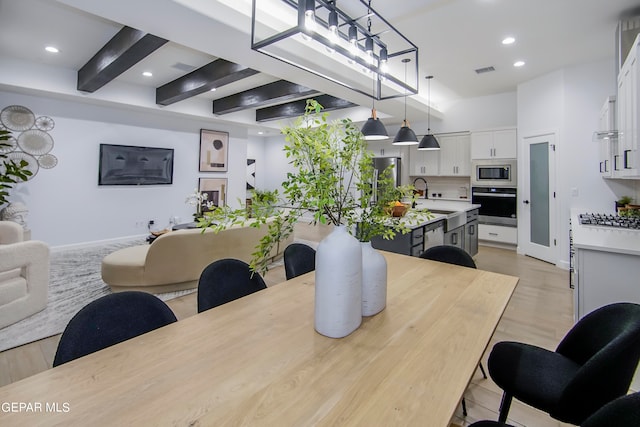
<point>349,45</point>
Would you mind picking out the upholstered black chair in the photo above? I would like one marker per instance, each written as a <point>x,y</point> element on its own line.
<point>593,365</point>
<point>622,412</point>
<point>450,255</point>
<point>226,280</point>
<point>457,256</point>
<point>110,320</point>
<point>298,259</point>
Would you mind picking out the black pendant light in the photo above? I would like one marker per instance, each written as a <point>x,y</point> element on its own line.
<point>373,129</point>
<point>429,142</point>
<point>405,136</point>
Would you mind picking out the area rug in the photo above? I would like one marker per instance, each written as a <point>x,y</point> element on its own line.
<point>75,282</point>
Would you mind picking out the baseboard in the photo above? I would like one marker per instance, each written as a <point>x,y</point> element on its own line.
<point>93,243</point>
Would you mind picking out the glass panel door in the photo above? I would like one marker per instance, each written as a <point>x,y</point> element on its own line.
<point>539,193</point>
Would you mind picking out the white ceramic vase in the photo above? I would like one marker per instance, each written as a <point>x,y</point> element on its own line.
<point>338,298</point>
<point>374,280</point>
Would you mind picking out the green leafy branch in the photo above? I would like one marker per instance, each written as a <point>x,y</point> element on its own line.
<point>11,172</point>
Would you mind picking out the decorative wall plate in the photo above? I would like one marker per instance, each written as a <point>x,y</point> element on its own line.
<point>10,146</point>
<point>35,142</point>
<point>17,117</point>
<point>47,161</point>
<point>33,166</point>
<point>45,123</point>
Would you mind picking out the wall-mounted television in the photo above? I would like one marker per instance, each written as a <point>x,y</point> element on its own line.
<point>131,165</point>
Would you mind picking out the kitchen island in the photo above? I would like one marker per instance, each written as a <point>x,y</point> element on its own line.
<point>453,223</point>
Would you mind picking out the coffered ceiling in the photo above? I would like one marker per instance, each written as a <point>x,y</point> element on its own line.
<point>455,37</point>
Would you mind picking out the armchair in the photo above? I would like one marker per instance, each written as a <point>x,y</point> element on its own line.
<point>24,274</point>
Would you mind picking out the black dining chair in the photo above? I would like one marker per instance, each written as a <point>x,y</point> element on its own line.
<point>593,365</point>
<point>298,259</point>
<point>110,320</point>
<point>458,256</point>
<point>621,412</point>
<point>226,280</point>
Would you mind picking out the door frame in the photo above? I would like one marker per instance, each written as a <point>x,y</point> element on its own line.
<point>525,246</point>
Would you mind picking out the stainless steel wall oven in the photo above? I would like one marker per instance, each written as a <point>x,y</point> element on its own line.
<point>498,205</point>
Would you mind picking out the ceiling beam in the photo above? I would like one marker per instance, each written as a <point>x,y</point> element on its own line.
<point>297,108</point>
<point>213,75</point>
<point>278,91</point>
<point>124,50</point>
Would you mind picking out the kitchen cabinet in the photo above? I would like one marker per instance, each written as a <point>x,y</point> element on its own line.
<point>471,232</point>
<point>385,149</point>
<point>414,242</point>
<point>626,158</point>
<point>423,162</point>
<point>494,144</point>
<point>455,237</point>
<point>498,234</point>
<point>453,158</point>
<point>607,136</point>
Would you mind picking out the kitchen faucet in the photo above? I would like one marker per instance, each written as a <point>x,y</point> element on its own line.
<point>426,186</point>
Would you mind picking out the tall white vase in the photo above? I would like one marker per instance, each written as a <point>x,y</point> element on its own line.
<point>338,303</point>
<point>374,280</point>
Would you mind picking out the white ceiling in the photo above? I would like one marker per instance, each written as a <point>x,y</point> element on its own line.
<point>455,37</point>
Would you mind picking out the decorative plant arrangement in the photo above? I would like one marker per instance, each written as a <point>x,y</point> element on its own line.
<point>11,172</point>
<point>334,181</point>
<point>334,172</point>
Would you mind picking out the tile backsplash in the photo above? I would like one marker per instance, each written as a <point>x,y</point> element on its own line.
<point>445,187</point>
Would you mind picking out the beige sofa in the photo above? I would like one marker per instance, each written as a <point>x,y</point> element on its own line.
<point>24,274</point>
<point>175,260</point>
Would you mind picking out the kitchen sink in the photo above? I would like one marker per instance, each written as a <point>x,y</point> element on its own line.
<point>454,219</point>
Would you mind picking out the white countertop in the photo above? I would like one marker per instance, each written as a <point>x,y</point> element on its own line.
<point>600,238</point>
<point>446,205</point>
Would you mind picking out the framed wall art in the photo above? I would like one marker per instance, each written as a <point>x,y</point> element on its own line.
<point>251,174</point>
<point>214,147</point>
<point>216,191</point>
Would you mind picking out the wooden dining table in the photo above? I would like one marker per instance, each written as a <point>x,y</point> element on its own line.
<point>257,361</point>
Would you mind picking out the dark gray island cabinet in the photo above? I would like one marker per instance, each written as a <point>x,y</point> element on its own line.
<point>414,242</point>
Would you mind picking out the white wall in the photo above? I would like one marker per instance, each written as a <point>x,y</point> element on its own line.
<point>484,112</point>
<point>66,204</point>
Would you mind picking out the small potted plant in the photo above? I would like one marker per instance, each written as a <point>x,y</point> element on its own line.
<point>622,203</point>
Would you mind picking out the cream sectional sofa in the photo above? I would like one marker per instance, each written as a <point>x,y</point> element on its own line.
<point>175,260</point>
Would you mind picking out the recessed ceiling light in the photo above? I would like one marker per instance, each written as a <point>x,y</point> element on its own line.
<point>52,49</point>
<point>213,89</point>
<point>147,74</point>
<point>518,63</point>
<point>508,40</point>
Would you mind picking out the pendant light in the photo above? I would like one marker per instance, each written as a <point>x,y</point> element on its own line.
<point>405,135</point>
<point>373,129</point>
<point>429,142</point>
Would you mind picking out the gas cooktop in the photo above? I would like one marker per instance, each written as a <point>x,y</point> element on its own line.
<point>607,220</point>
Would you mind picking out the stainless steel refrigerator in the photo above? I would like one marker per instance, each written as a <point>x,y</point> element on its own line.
<point>382,163</point>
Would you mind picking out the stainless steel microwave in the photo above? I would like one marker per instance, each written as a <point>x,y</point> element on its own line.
<point>494,173</point>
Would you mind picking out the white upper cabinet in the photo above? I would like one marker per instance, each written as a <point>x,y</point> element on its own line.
<point>455,159</point>
<point>385,148</point>
<point>494,144</point>
<point>626,157</point>
<point>452,159</point>
<point>607,142</point>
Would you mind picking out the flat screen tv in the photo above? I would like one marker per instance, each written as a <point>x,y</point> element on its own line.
<point>130,165</point>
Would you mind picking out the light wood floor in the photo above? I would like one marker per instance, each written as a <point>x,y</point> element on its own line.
<point>540,312</point>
